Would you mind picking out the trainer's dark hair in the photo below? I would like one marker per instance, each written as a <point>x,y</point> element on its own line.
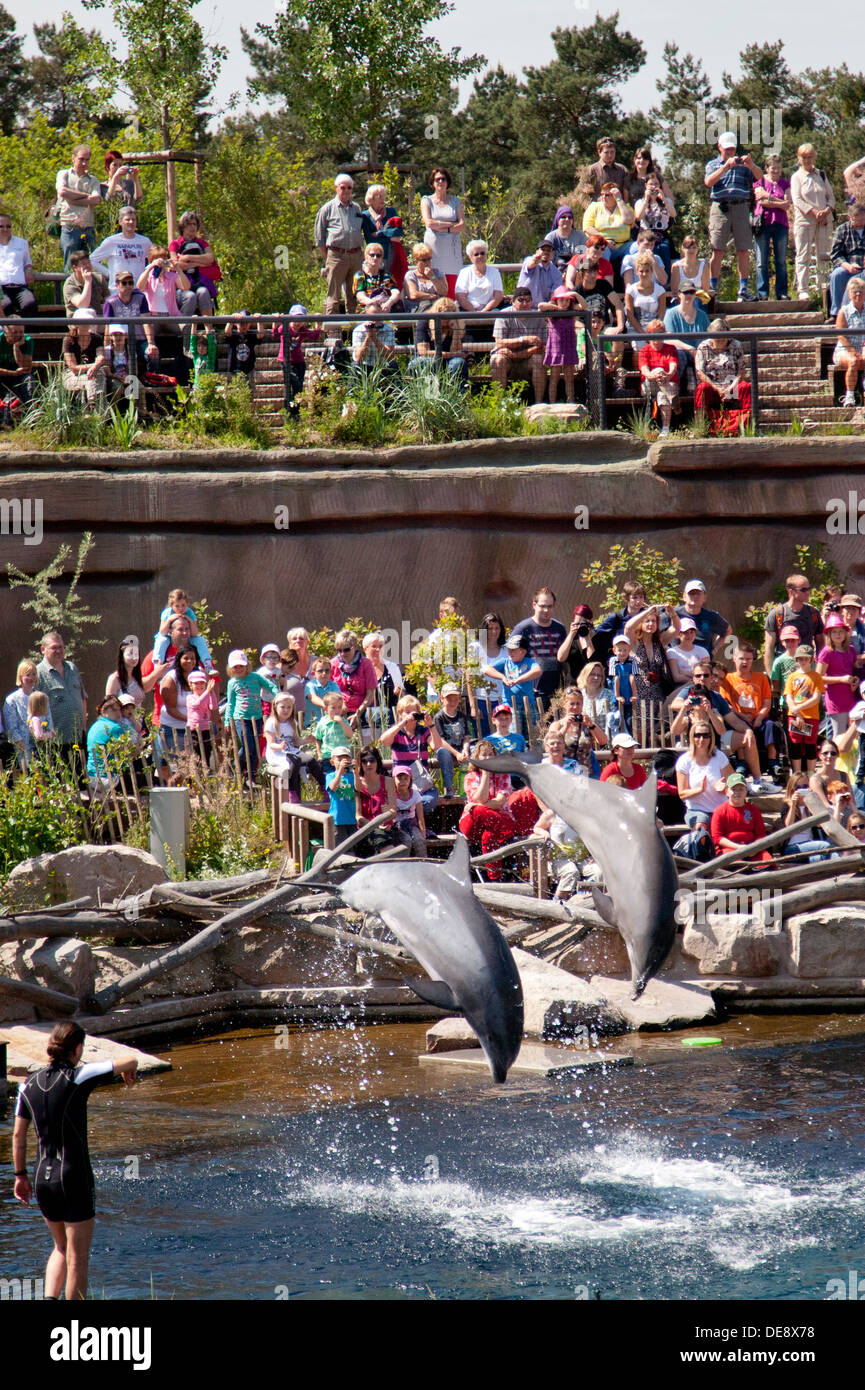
<point>65,1039</point>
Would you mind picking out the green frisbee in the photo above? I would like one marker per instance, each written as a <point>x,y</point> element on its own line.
<point>701,1042</point>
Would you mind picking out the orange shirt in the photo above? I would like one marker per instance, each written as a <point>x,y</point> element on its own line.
<point>747,694</point>
<point>801,683</point>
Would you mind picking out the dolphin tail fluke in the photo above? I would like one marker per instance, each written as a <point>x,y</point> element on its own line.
<point>435,992</point>
<point>458,864</point>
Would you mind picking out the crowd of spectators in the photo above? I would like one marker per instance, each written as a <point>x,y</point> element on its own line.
<point>610,251</point>
<point>348,719</point>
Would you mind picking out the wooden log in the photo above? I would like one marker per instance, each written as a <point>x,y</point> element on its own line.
<point>776,837</point>
<point>525,907</point>
<point>93,925</point>
<point>844,890</point>
<point>800,873</point>
<point>787,987</point>
<point>347,938</point>
<point>58,910</point>
<point>833,828</point>
<point>210,936</point>
<point>48,999</point>
<point>515,847</point>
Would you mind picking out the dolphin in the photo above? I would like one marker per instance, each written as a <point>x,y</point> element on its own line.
<point>619,829</point>
<point>432,910</point>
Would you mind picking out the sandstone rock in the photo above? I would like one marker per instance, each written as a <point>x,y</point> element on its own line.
<point>559,1005</point>
<point>15,1010</point>
<point>564,411</point>
<point>450,1035</point>
<point>63,963</point>
<point>280,956</point>
<point>664,1004</point>
<point>828,943</point>
<point>736,944</point>
<point>101,872</point>
<point>198,976</point>
<point>601,953</point>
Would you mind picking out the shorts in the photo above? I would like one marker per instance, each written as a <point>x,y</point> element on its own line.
<point>519,368</point>
<point>735,222</point>
<point>70,1199</point>
<point>727,739</point>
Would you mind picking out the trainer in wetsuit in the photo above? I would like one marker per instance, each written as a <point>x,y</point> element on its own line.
<point>54,1100</point>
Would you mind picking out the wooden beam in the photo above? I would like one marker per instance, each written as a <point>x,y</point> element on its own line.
<point>777,837</point>
<point>50,1000</point>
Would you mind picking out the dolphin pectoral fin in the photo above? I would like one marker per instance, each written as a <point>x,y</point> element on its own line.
<point>605,907</point>
<point>647,794</point>
<point>457,864</point>
<point>434,992</point>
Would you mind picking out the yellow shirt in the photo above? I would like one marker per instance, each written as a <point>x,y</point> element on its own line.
<point>597,218</point>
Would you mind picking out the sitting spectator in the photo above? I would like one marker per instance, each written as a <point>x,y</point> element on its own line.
<point>78,193</point>
<point>519,337</point>
<point>847,254</point>
<point>772,195</point>
<point>410,825</point>
<point>83,288</point>
<point>194,256</point>
<point>126,250</point>
<point>164,284</point>
<point>486,821</point>
<point>16,271</point>
<point>848,353</point>
<point>423,284</point>
<point>568,239</point>
<point>410,738</point>
<point>829,783</point>
<point>599,702</point>
<point>659,369</point>
<point>375,225</point>
<point>444,219</point>
<point>606,170</point>
<point>813,204</point>
<point>701,775</point>
<point>685,654</point>
<point>241,338</point>
<point>540,273</point>
<point>731,178</point>
<point>102,766</point>
<point>594,256</point>
<point>503,740</point>
<point>749,693</point>
<point>123,181</point>
<point>613,219</point>
<point>478,288</point>
<point>373,340</point>
<point>453,731</point>
<point>581,733</point>
<point>561,351</point>
<point>452,351</point>
<point>802,692</point>
<point>16,361</point>
<point>623,763</point>
<point>372,284</point>
<point>720,363</point>
<point>645,299</point>
<point>688,316</point>
<point>83,357</point>
<point>654,212</point>
<point>518,672</point>
<point>644,242</point>
<point>689,267</point>
<point>354,674</point>
<point>374,794</point>
<point>736,822</point>
<point>338,229</point>
<point>341,794</point>
<point>127,304</point>
<point>120,360</point>
<point>292,333</point>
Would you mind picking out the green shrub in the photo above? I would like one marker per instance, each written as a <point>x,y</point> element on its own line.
<point>498,411</point>
<point>40,812</point>
<point>215,406</point>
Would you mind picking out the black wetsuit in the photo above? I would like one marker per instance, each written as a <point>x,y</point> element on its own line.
<point>55,1101</point>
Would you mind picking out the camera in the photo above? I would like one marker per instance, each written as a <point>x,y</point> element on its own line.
<point>698,692</point>
<point>834,607</point>
<point>583,630</point>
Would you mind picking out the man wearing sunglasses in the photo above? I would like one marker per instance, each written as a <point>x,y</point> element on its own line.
<point>796,612</point>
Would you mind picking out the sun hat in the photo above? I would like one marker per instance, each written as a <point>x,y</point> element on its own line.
<point>835,620</point>
<point>197,676</point>
<point>237,658</point>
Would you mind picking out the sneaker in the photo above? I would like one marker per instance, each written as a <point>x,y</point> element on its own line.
<point>848,398</point>
<point>745,296</point>
<point>762,296</point>
<point>665,432</point>
<point>768,783</point>
<point>803,297</point>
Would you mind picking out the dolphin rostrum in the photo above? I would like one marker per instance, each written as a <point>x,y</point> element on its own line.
<point>619,830</point>
<point>432,910</point>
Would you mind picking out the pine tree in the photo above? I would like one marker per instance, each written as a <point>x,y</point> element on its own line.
<point>14,82</point>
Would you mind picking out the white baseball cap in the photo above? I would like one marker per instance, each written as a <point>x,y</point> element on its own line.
<point>687,625</point>
<point>694,584</point>
<point>728,140</point>
<point>237,658</point>
<point>269,647</point>
<point>624,741</point>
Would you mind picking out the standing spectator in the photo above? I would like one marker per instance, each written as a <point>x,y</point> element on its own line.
<point>16,360</point>
<point>61,682</point>
<point>15,712</point>
<point>545,635</point>
<point>83,288</point>
<point>355,676</point>
<point>720,363</point>
<point>78,193</point>
<point>644,167</point>
<point>736,822</point>
<point>375,220</point>
<point>338,231</point>
<point>478,288</point>
<point>568,239</point>
<point>802,694</point>
<point>847,254</point>
<point>561,354</point>
<point>730,177</point>
<point>850,348</point>
<point>243,705</point>
<point>613,219</point>
<point>127,304</point>
<point>606,170</point>
<point>749,693</point>
<point>772,195</point>
<point>519,337</point>
<point>654,212</point>
<point>126,250</point>
<point>292,333</point>
<point>123,181</point>
<point>835,663</point>
<point>813,205</point>
<point>796,612</point>
<point>711,627</point>
<point>659,369</point>
<point>444,220</point>
<point>578,649</point>
<point>16,271</point>
<point>689,267</point>
<point>645,299</point>
<point>608,628</point>
<point>643,242</point>
<point>540,273</point>
<point>851,611</point>
<point>688,316</point>
<point>241,339</point>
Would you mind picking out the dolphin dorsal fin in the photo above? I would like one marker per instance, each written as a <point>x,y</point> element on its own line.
<point>457,864</point>
<point>647,795</point>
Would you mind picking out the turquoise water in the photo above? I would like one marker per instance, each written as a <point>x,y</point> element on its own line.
<point>337,1167</point>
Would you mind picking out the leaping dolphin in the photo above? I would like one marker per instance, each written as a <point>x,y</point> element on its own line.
<point>432,910</point>
<point>618,828</point>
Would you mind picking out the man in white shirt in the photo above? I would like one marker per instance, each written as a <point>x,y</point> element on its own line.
<point>126,250</point>
<point>16,271</point>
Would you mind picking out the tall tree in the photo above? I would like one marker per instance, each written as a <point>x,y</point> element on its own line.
<point>14,83</point>
<point>346,72</point>
<point>68,75</point>
<point>680,116</point>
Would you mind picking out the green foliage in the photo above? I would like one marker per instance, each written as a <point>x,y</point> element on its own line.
<point>434,405</point>
<point>447,656</point>
<point>498,215</point>
<point>67,76</point>
<point>14,82</point>
<point>69,615</point>
<point>821,571</point>
<point>226,836</point>
<point>60,417</point>
<point>640,563</point>
<point>209,628</point>
<point>322,640</point>
<point>215,406</point>
<point>40,812</point>
<point>126,426</point>
<point>498,411</point>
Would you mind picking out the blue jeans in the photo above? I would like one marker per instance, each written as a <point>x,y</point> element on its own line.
<point>838,281</point>
<point>76,239</point>
<point>447,763</point>
<point>777,236</point>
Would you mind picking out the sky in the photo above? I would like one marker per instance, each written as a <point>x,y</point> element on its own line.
<point>516,34</point>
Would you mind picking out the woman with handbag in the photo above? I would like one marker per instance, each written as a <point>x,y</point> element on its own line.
<point>409,739</point>
<point>770,221</point>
